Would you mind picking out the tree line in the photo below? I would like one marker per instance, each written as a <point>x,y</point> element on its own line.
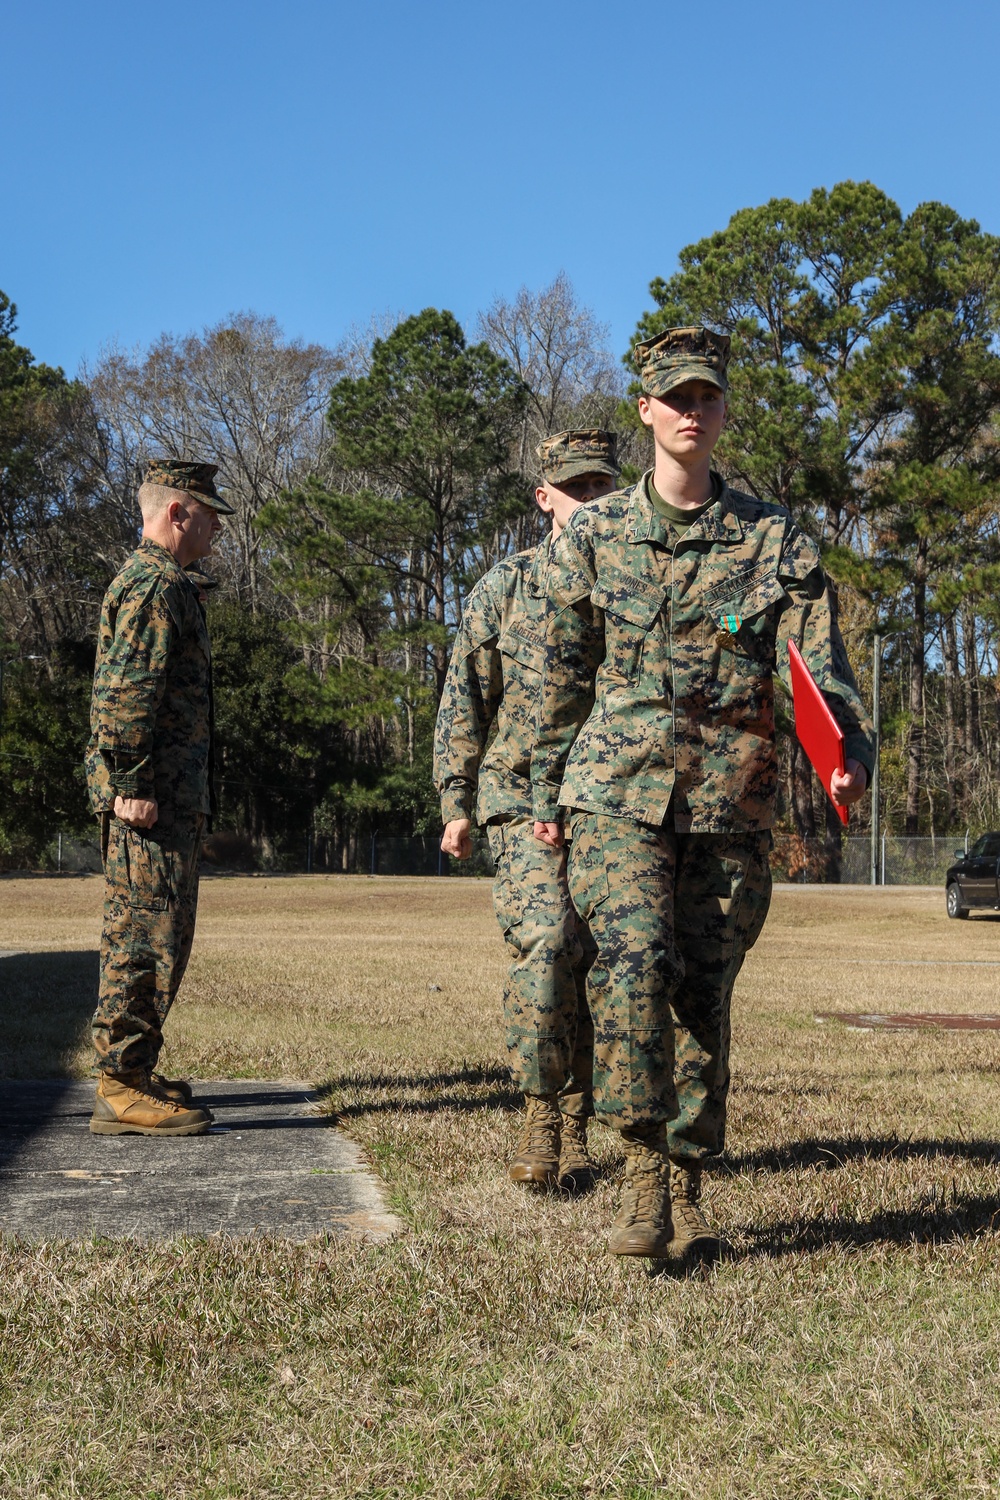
<point>375,482</point>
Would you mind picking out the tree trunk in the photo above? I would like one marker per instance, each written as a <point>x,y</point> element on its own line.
<point>952,720</point>
<point>970,642</point>
<point>803,813</point>
<point>915,745</point>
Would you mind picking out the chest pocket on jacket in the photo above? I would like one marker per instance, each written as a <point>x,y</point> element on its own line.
<point>522,654</point>
<point>744,626</point>
<point>630,608</point>
<point>523,651</point>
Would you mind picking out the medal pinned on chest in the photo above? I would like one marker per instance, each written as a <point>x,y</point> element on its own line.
<point>728,629</point>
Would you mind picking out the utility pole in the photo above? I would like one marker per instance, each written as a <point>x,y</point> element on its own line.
<point>876,718</point>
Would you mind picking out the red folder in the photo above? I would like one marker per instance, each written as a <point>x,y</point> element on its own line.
<point>820,736</point>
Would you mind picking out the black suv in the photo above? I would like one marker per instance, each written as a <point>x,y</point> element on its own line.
<point>975,880</point>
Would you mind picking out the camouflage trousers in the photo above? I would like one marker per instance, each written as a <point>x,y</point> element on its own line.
<point>150,901</point>
<point>550,1038</point>
<point>673,916</point>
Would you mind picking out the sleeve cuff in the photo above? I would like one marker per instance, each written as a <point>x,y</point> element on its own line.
<point>545,807</point>
<point>857,747</point>
<point>457,802</point>
<point>132,778</point>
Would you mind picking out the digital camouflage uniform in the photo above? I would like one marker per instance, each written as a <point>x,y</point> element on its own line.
<point>656,732</point>
<point>151,739</point>
<point>492,690</point>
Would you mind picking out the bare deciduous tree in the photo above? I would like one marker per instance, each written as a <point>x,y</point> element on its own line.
<point>239,395</point>
<point>560,351</point>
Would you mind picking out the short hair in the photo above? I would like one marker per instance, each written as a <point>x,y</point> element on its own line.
<point>154,498</point>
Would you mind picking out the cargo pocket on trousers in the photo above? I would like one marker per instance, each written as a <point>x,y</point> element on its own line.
<point>148,872</point>
<point>508,902</point>
<point>587,870</point>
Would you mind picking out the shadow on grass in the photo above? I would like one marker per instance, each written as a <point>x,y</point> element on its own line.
<point>940,1222</point>
<point>380,1093</point>
<point>829,1154</point>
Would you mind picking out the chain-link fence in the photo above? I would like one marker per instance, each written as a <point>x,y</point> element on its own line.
<point>381,855</point>
<point>894,861</point>
<point>375,854</point>
<point>898,861</point>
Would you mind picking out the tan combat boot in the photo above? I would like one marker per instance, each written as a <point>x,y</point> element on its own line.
<point>177,1089</point>
<point>536,1161</point>
<point>694,1238</point>
<point>577,1172</point>
<point>130,1104</point>
<point>643,1226</point>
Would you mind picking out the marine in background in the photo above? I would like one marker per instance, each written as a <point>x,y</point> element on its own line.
<point>482,755</point>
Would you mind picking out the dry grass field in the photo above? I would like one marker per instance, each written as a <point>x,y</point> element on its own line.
<point>850,1348</point>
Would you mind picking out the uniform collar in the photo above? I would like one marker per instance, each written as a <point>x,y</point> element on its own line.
<point>164,558</point>
<point>719,523</point>
<point>539,568</point>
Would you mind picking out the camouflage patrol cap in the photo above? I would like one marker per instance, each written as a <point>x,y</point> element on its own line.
<point>681,354</point>
<point>196,478</point>
<point>583,450</point>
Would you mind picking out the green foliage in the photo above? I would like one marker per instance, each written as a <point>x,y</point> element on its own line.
<point>374,567</point>
<point>36,464</point>
<point>45,571</point>
<point>267,761</point>
<point>44,723</point>
<point>433,418</point>
<point>430,428</point>
<point>28,392</point>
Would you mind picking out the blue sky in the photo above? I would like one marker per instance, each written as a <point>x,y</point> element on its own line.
<point>164,166</point>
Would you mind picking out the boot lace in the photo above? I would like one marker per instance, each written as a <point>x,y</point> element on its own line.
<point>145,1086</point>
<point>652,1203</point>
<point>540,1130</point>
<point>574,1156</point>
<point>686,1187</point>
<point>646,1195</point>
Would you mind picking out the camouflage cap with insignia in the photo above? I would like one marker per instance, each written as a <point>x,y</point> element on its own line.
<point>681,354</point>
<point>583,450</point>
<point>196,478</point>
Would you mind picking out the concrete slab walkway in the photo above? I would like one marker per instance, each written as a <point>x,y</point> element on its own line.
<point>270,1165</point>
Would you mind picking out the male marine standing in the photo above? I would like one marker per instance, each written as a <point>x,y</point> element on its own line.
<point>674,602</point>
<point>493,682</point>
<point>149,765</point>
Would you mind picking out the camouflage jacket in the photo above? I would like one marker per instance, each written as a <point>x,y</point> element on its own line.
<point>661,653</point>
<point>151,710</point>
<point>493,683</point>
